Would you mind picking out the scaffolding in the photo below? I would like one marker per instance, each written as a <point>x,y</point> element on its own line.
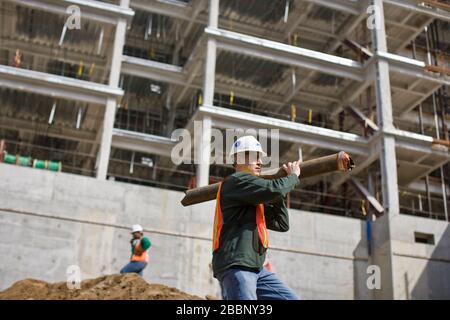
<point>105,99</point>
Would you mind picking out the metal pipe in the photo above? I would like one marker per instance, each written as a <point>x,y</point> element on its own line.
<point>78,124</point>
<point>427,178</point>
<point>100,41</point>
<point>63,34</point>
<point>428,46</point>
<point>436,122</point>
<point>337,162</point>
<point>52,114</point>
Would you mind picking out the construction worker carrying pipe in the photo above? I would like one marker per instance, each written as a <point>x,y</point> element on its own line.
<point>246,206</point>
<point>139,254</point>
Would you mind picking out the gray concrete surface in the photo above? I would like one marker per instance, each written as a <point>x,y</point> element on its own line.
<point>49,221</point>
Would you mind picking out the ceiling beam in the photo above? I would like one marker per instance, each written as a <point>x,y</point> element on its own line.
<point>91,10</point>
<point>414,142</point>
<point>420,7</point>
<point>289,131</point>
<point>142,142</point>
<point>286,54</point>
<point>56,86</point>
<point>338,5</point>
<point>149,69</point>
<point>186,79</point>
<point>420,186</point>
<point>51,51</point>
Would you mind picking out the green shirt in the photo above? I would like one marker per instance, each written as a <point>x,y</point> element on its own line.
<point>239,244</point>
<point>145,244</point>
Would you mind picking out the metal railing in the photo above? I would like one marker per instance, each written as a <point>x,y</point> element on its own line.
<point>420,205</point>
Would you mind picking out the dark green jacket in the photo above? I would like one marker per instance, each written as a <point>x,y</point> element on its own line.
<point>239,244</point>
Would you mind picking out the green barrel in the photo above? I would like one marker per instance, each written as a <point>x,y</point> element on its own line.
<point>54,166</point>
<point>9,158</point>
<point>45,164</point>
<point>39,164</point>
<point>24,161</point>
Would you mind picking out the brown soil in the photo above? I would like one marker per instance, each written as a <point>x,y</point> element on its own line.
<point>113,287</point>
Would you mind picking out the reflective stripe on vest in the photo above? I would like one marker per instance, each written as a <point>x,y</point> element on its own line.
<point>142,257</point>
<point>218,223</point>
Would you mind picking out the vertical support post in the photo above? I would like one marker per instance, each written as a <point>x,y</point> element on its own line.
<point>382,250</point>
<point>444,193</point>
<point>170,104</point>
<point>204,147</point>
<point>211,52</point>
<point>427,178</point>
<point>438,136</point>
<point>111,104</point>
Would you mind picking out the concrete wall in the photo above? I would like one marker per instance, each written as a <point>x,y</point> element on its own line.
<point>49,221</point>
<point>421,271</point>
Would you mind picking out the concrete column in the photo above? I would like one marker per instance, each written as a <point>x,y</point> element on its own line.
<point>111,104</point>
<point>170,104</point>
<point>382,251</point>
<point>208,98</point>
<point>203,145</point>
<point>211,52</point>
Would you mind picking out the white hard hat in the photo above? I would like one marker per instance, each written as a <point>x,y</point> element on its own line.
<point>246,143</point>
<point>136,228</point>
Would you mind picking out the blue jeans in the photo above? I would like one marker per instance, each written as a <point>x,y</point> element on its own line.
<point>134,267</point>
<point>238,284</point>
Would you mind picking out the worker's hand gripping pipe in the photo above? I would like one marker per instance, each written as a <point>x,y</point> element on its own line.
<point>340,161</point>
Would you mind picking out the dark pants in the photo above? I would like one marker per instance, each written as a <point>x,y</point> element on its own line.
<point>134,267</point>
<point>238,284</point>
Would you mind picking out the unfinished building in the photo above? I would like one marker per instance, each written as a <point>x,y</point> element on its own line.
<point>96,106</point>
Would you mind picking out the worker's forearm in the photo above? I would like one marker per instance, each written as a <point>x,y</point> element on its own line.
<point>256,190</point>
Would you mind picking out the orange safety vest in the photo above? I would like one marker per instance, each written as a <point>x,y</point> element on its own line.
<point>142,257</point>
<point>218,223</point>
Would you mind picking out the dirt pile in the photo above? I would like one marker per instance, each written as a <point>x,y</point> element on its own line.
<point>112,287</point>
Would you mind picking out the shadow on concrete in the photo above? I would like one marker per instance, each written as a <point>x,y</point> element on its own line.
<point>360,263</point>
<point>434,280</point>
